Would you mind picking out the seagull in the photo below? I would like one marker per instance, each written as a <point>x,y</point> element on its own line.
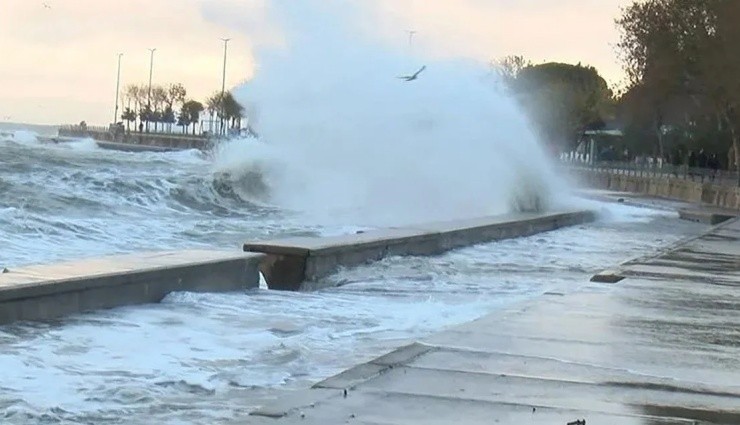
<point>414,76</point>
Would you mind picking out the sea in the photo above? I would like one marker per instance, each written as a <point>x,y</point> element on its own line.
<point>213,358</point>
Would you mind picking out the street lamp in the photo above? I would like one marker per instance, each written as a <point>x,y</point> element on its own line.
<point>411,36</point>
<point>118,85</point>
<point>149,95</point>
<point>223,87</point>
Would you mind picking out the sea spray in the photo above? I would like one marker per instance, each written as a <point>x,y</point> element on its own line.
<point>348,141</point>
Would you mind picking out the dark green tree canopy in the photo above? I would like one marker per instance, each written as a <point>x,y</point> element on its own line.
<point>562,99</point>
<point>683,61</point>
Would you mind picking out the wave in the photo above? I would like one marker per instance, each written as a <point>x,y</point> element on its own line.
<point>21,137</point>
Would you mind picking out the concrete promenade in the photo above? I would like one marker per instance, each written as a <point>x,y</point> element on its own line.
<point>660,347</point>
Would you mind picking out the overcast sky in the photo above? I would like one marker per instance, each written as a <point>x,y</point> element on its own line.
<point>59,56</point>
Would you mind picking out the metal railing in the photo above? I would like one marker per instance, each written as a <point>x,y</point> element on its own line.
<point>661,170</point>
<point>80,130</point>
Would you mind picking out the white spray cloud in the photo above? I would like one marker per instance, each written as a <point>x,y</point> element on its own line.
<point>349,141</point>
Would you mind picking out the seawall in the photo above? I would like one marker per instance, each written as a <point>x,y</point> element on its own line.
<point>133,141</point>
<point>300,263</point>
<point>49,291</point>
<point>726,196</point>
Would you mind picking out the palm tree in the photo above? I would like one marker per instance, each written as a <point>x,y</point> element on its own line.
<point>128,115</point>
<point>190,112</point>
<point>226,108</point>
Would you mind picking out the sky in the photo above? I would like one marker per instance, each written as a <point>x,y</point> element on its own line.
<point>59,57</point>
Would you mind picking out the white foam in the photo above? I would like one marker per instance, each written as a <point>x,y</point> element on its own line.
<point>25,137</point>
<point>351,144</point>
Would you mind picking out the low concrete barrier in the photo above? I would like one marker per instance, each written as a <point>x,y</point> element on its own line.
<point>135,141</point>
<point>706,216</point>
<point>48,291</point>
<point>297,263</point>
<point>727,197</point>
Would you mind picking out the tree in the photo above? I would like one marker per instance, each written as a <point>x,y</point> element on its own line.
<point>225,107</point>
<point>175,96</point>
<point>562,100</point>
<point>183,120</point>
<point>168,116</point>
<point>136,94</point>
<point>190,113</point>
<point>129,116</point>
<point>158,101</point>
<point>685,51</point>
<point>145,114</point>
<point>509,67</point>
<point>233,110</point>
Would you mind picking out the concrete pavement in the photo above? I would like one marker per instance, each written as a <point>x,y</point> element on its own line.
<point>660,347</point>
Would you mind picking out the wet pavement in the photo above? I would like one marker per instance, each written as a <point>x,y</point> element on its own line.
<point>660,347</point>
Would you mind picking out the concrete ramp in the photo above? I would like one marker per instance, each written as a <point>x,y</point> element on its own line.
<point>297,263</point>
<point>50,291</point>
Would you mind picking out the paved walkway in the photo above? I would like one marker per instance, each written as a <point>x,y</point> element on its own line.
<point>660,347</point>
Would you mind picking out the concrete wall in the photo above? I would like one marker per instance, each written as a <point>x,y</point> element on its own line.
<point>50,291</point>
<point>300,263</point>
<point>671,188</point>
<point>132,140</point>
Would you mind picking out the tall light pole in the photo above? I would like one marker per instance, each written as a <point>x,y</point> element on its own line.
<point>223,87</point>
<point>149,95</point>
<point>118,86</point>
<point>411,36</point>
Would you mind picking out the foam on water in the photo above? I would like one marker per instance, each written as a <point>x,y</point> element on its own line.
<point>210,358</point>
<point>23,137</point>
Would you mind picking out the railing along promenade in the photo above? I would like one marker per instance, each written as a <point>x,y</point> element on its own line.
<point>708,186</point>
<point>119,135</point>
<point>657,170</point>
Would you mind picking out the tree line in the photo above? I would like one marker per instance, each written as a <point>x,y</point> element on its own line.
<point>164,106</point>
<point>683,63</point>
<point>681,97</point>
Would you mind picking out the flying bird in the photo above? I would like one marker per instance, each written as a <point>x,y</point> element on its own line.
<point>414,76</point>
<point>46,5</point>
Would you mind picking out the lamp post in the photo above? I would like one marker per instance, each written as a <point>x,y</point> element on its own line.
<point>223,87</point>
<point>411,36</point>
<point>149,95</point>
<point>118,86</point>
